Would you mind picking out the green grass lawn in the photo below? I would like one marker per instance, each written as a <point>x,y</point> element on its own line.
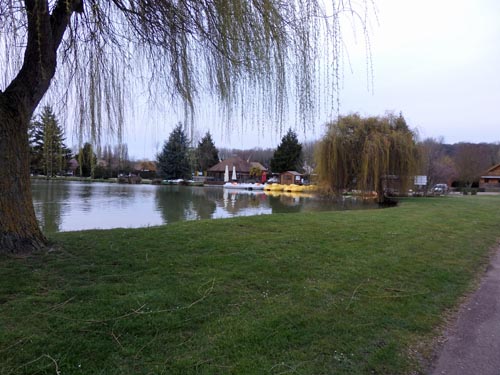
<point>353,292</point>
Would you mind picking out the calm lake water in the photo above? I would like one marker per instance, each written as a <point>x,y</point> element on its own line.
<point>70,205</point>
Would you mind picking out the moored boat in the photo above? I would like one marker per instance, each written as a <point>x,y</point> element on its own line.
<point>243,186</point>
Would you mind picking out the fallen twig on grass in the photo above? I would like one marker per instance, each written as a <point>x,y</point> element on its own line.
<point>58,372</point>
<point>140,310</point>
<point>354,294</point>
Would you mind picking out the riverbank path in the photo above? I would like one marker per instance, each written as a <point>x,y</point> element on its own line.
<point>472,343</point>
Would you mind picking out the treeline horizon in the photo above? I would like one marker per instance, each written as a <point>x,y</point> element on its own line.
<point>459,163</point>
<point>441,162</point>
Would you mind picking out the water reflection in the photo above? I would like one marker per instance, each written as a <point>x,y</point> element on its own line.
<point>245,203</point>
<point>49,204</point>
<point>85,194</point>
<point>285,203</point>
<point>176,203</point>
<point>65,206</point>
<point>203,202</point>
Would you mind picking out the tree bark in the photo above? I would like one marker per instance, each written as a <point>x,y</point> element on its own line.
<point>19,229</point>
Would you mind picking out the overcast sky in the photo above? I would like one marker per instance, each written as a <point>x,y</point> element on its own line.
<point>436,61</point>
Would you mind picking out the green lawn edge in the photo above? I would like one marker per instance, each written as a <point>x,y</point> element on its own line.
<point>350,292</point>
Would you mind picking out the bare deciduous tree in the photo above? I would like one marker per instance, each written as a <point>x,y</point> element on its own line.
<point>473,159</point>
<point>432,152</point>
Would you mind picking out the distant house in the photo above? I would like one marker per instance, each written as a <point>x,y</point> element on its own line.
<point>241,167</point>
<point>145,169</point>
<point>490,181</point>
<point>290,177</point>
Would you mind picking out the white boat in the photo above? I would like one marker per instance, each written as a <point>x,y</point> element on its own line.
<point>240,186</point>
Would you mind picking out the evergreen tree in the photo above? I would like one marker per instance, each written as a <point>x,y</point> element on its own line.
<point>49,154</point>
<point>287,156</point>
<point>35,134</point>
<point>207,153</point>
<point>173,161</point>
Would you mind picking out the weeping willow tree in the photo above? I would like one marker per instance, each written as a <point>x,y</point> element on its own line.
<point>367,154</point>
<point>95,53</point>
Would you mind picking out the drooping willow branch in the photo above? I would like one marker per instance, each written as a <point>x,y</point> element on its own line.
<point>246,54</point>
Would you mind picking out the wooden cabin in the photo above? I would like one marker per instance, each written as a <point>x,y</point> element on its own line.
<point>291,177</point>
<point>490,181</point>
<point>242,168</point>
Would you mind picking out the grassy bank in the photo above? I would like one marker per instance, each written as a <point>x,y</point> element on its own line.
<point>351,292</point>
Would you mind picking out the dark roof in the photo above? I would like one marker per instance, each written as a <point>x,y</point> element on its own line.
<point>242,166</point>
<point>495,169</point>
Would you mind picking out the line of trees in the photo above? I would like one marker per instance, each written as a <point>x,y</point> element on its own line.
<point>460,164</point>
<point>373,137</point>
<point>261,155</point>
<point>50,156</point>
<point>111,161</point>
<point>177,159</point>
<point>369,153</point>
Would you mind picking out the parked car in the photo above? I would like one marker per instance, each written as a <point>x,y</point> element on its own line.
<point>440,189</point>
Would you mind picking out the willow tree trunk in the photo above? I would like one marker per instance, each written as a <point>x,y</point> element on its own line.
<point>19,230</point>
